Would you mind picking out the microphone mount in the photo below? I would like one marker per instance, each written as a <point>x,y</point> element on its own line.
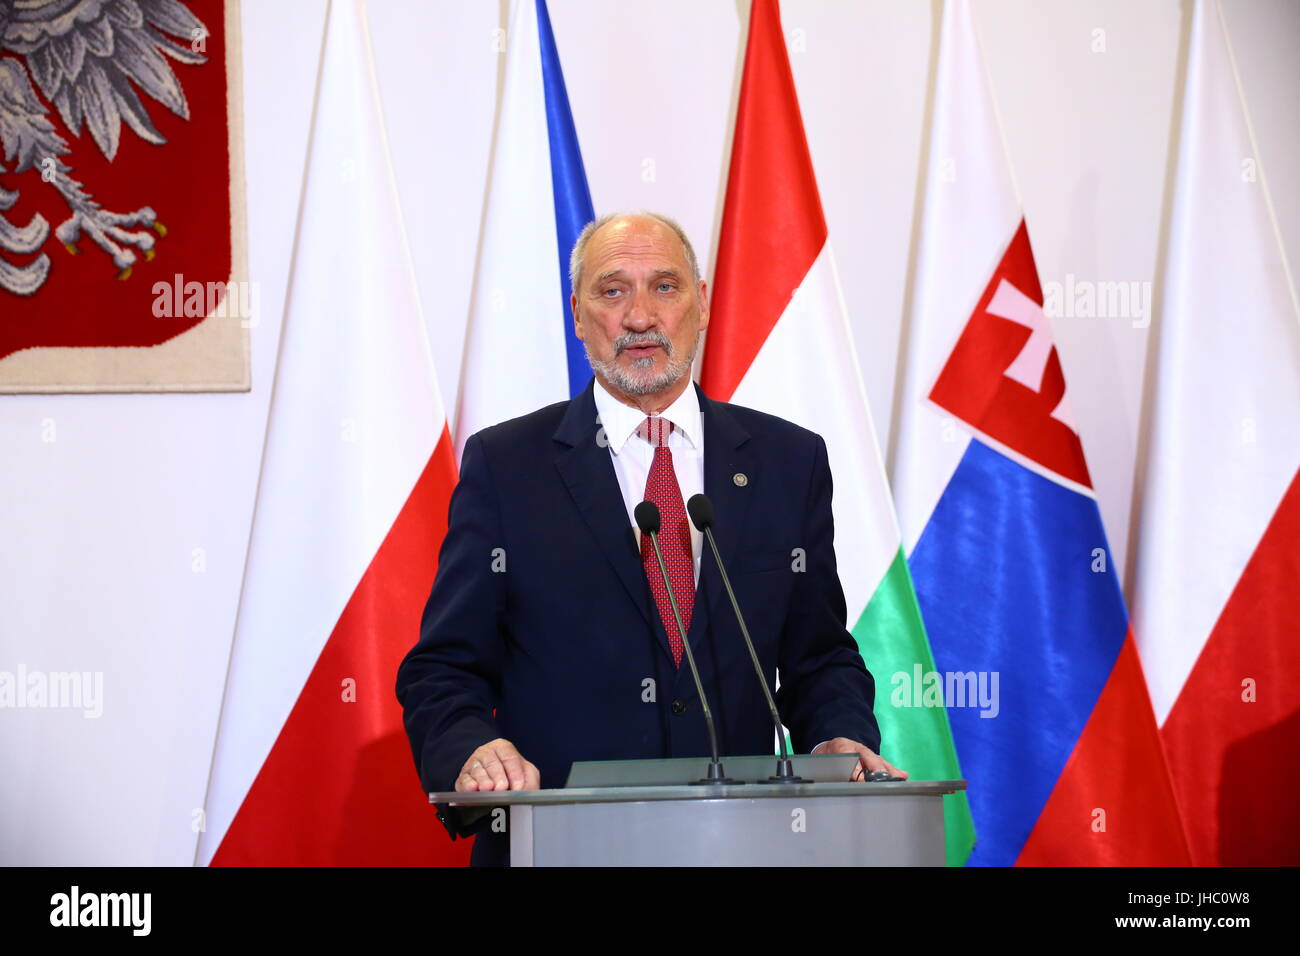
<point>647,519</point>
<point>700,508</point>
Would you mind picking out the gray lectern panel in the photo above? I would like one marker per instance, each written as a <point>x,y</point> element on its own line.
<point>782,831</point>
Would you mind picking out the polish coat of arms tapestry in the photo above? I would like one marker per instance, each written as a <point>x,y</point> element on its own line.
<point>122,221</point>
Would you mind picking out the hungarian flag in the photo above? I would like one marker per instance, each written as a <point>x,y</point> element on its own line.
<point>779,341</point>
<point>537,204</point>
<point>1217,600</point>
<point>1017,586</point>
<point>312,765</point>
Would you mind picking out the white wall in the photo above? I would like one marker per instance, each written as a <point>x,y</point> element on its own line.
<point>99,527</point>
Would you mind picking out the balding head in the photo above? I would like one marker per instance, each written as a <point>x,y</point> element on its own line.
<point>578,256</point>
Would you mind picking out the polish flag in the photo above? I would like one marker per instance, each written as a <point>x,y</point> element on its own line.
<point>312,766</point>
<point>1217,598</point>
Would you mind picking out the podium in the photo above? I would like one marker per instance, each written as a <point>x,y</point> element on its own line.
<point>646,813</point>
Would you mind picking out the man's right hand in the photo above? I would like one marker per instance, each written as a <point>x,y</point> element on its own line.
<point>497,765</point>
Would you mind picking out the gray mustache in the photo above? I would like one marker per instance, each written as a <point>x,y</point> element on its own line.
<point>630,339</point>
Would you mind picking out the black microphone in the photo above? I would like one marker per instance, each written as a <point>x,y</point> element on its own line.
<point>647,519</point>
<point>700,509</point>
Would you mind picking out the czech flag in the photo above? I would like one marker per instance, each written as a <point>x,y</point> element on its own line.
<point>537,204</point>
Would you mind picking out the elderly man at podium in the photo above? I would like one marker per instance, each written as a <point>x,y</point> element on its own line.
<point>544,640</point>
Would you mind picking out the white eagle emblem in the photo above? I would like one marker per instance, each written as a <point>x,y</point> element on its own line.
<point>87,58</point>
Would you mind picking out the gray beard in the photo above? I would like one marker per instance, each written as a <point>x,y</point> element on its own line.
<point>627,381</point>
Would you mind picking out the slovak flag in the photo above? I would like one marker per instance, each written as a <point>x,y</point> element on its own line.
<point>537,204</point>
<point>1018,590</point>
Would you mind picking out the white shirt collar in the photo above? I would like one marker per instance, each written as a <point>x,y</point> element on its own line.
<point>621,421</point>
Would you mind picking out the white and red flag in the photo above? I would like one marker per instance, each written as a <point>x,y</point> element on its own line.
<point>1217,601</point>
<point>312,765</point>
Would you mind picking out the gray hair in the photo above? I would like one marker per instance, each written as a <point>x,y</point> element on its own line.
<point>579,253</point>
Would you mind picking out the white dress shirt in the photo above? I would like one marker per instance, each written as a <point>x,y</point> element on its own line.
<point>632,455</point>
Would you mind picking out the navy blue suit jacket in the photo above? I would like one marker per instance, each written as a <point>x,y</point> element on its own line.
<point>541,627</point>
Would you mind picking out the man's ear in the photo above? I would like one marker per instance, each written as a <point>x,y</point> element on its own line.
<point>704,305</point>
<point>577,325</point>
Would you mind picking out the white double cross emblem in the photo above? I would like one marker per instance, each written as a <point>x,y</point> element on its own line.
<point>1010,303</point>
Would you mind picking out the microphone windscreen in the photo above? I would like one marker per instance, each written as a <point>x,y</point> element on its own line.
<point>647,517</point>
<point>700,509</point>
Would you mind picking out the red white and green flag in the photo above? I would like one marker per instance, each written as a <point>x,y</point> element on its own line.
<point>779,340</point>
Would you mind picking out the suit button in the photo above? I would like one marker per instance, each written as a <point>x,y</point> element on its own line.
<point>679,707</point>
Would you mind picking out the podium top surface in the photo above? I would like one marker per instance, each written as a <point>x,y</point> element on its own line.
<point>744,791</point>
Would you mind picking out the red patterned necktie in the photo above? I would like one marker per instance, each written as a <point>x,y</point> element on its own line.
<point>674,536</point>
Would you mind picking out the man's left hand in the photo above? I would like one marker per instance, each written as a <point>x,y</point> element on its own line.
<point>868,759</point>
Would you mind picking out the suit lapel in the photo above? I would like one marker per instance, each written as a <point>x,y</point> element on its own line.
<point>584,464</point>
<point>728,453</point>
